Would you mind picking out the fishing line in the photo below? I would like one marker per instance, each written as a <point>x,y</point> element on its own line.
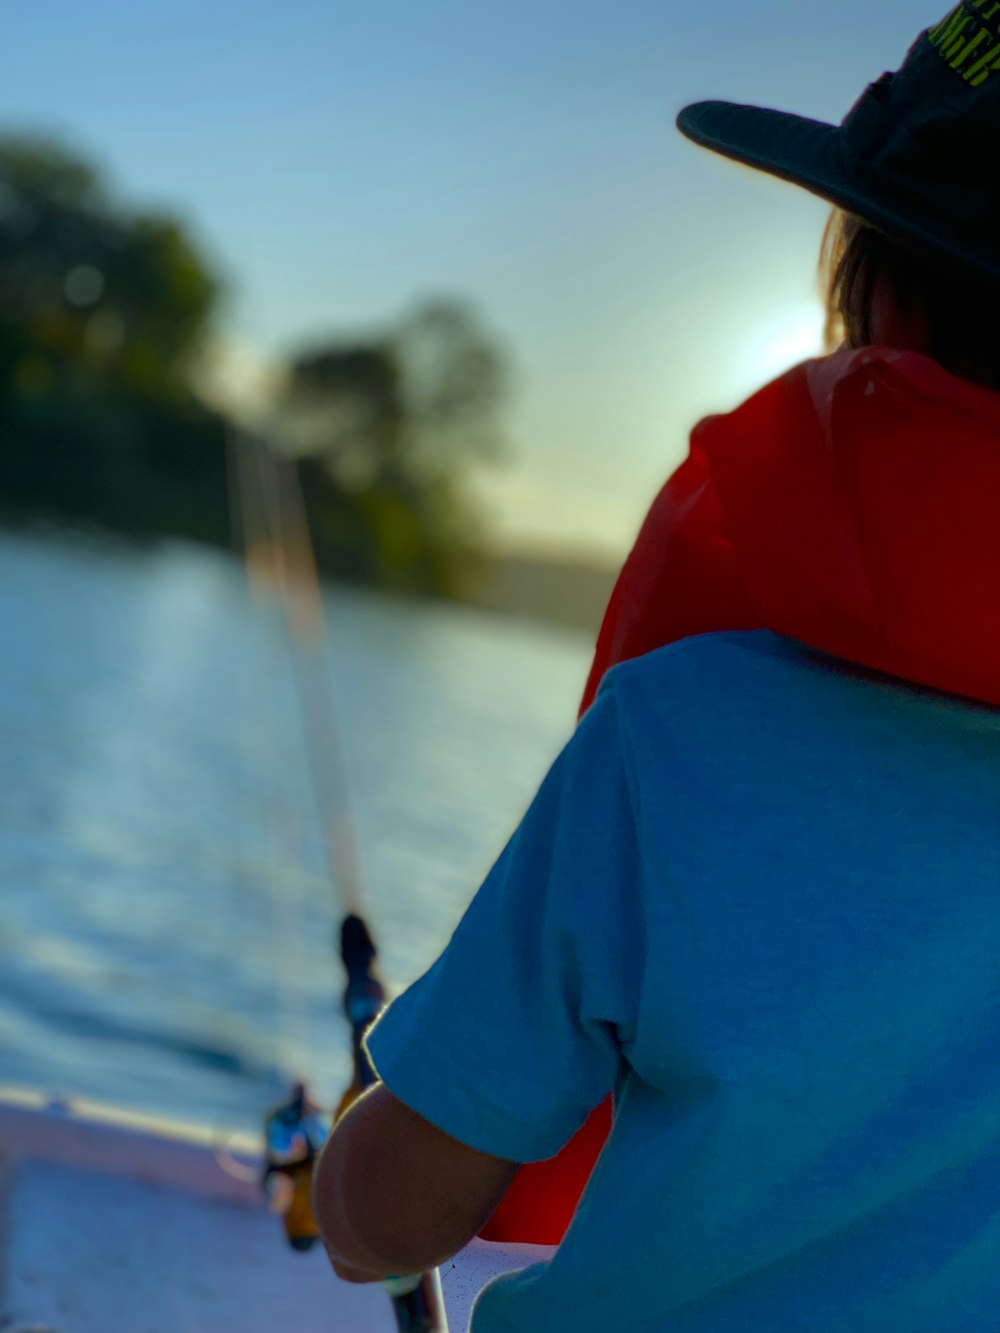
<point>295,1130</point>
<point>260,710</point>
<point>302,602</point>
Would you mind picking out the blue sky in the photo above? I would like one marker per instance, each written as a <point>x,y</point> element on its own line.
<point>341,161</point>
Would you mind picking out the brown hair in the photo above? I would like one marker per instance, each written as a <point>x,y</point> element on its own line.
<point>964,332</point>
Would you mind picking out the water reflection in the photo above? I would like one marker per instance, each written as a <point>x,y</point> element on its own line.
<point>166,923</point>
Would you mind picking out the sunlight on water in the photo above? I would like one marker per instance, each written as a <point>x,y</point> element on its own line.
<point>167,924</point>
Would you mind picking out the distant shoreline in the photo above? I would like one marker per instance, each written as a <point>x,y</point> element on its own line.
<point>562,589</point>
<point>566,590</point>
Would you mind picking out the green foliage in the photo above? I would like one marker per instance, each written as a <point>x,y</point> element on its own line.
<point>391,425</point>
<point>121,298</point>
<point>454,381</point>
<point>101,315</point>
<point>104,314</point>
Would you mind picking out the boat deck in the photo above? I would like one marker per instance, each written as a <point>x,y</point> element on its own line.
<point>114,1224</point>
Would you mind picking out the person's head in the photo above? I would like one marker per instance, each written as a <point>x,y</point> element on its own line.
<point>911,158</point>
<point>881,292</point>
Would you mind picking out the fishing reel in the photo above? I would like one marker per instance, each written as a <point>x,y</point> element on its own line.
<point>294,1133</point>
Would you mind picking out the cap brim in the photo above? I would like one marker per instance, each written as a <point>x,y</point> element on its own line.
<point>801,151</point>
<point>811,154</point>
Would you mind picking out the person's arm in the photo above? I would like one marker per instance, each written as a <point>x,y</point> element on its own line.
<point>500,1051</point>
<point>395,1195</point>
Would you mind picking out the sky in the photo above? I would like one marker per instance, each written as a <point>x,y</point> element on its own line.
<point>341,162</point>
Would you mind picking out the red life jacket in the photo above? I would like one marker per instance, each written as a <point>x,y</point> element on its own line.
<point>853,505</point>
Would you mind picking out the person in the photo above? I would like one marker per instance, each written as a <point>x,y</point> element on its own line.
<point>756,896</point>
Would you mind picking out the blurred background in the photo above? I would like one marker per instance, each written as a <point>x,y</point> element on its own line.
<point>454,261</point>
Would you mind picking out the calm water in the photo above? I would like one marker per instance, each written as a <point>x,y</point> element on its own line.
<point>166,919</point>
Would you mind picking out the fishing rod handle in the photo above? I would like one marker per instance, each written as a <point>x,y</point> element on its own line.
<point>418,1303</point>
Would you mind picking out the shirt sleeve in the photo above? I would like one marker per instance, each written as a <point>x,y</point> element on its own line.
<point>517,1031</point>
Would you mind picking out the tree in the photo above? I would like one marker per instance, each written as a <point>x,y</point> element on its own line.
<point>394,422</point>
<point>104,317</point>
<point>345,405</point>
<point>102,312</point>
<point>455,380</point>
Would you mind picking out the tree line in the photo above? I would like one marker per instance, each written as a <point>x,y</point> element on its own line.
<point>106,315</point>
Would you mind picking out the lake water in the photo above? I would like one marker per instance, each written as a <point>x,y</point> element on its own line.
<point>167,920</point>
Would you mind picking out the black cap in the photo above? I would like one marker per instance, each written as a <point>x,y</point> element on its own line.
<point>915,157</point>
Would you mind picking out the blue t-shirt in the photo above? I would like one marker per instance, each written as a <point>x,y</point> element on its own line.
<point>758,896</point>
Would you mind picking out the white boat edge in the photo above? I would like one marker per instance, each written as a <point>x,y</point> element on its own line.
<point>83,1183</point>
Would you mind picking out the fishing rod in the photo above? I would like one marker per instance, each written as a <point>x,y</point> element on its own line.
<point>296,1131</point>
